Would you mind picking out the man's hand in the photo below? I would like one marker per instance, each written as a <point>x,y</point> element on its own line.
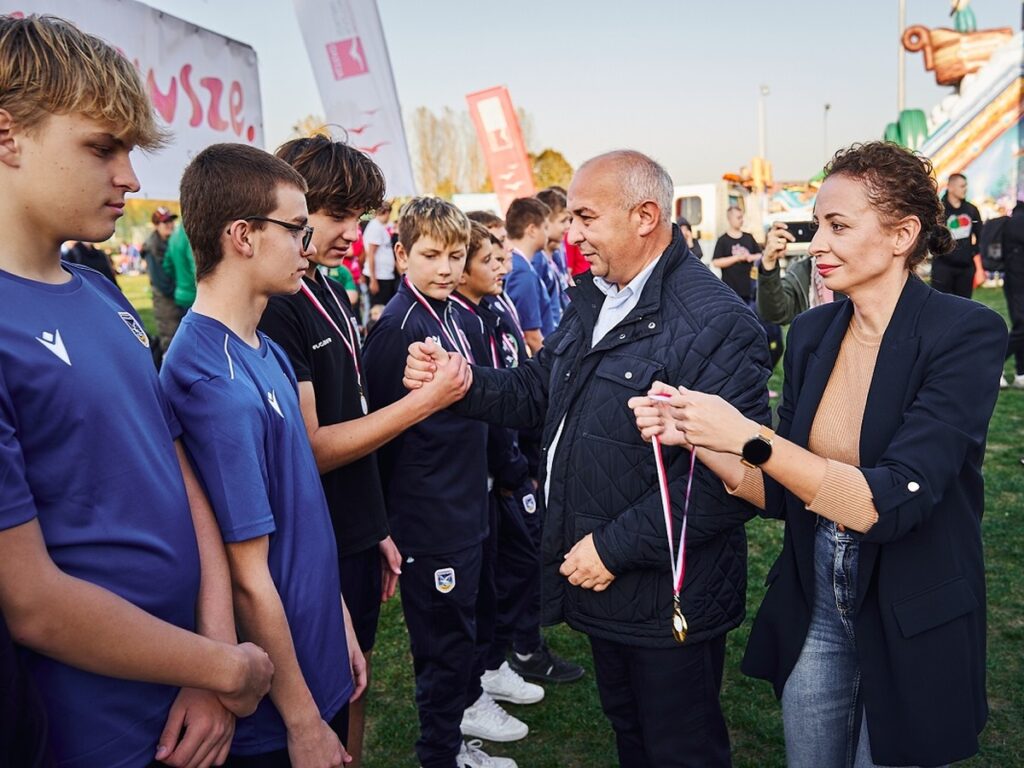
<point>391,566</point>
<point>584,568</point>
<point>254,676</point>
<point>374,286</point>
<point>446,376</point>
<point>316,746</point>
<point>775,244</point>
<point>209,728</point>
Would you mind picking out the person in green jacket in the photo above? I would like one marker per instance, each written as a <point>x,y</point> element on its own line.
<point>180,266</point>
<point>780,297</point>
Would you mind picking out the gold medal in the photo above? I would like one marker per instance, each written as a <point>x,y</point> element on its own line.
<point>678,621</point>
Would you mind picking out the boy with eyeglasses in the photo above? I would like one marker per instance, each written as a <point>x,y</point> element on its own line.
<point>235,393</point>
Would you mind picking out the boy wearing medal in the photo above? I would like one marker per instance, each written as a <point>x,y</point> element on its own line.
<point>318,330</point>
<point>435,485</point>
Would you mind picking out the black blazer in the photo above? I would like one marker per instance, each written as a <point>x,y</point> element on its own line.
<point>920,613</point>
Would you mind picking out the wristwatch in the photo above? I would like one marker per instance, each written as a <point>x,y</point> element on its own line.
<point>758,449</point>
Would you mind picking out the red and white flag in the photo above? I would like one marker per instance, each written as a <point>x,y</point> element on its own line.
<point>501,140</point>
<point>346,47</point>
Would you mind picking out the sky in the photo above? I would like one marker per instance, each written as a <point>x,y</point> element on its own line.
<point>676,79</point>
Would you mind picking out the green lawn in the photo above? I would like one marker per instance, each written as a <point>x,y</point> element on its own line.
<point>568,729</point>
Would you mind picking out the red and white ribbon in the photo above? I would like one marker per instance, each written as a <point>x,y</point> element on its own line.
<point>350,340</point>
<point>456,343</point>
<point>677,557</point>
<point>490,336</point>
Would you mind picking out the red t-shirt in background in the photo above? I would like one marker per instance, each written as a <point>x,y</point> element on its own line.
<point>574,258</point>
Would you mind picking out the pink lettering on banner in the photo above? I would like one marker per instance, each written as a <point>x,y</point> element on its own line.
<point>347,58</point>
<point>166,102</point>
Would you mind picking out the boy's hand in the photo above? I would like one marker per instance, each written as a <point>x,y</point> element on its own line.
<point>255,673</point>
<point>391,565</point>
<point>424,358</point>
<point>316,746</point>
<point>356,660</point>
<point>209,728</point>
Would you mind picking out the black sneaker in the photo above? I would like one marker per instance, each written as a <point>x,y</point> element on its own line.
<point>543,666</point>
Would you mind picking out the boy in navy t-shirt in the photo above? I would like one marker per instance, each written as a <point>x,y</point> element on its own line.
<point>234,392</point>
<point>105,566</point>
<point>526,221</point>
<point>435,484</point>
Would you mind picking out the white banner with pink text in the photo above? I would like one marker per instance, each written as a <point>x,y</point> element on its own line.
<point>204,86</point>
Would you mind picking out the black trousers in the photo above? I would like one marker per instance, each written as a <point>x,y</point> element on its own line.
<point>517,575</point>
<point>958,280</point>
<point>663,703</point>
<point>387,289</point>
<point>440,594</point>
<point>279,759</point>
<point>1013,290</point>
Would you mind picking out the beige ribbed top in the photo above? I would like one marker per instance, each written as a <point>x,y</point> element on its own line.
<point>844,495</point>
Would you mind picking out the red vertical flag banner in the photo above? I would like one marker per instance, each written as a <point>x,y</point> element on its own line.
<point>501,139</point>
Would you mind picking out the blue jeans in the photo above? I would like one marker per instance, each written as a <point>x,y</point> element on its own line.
<point>821,699</point>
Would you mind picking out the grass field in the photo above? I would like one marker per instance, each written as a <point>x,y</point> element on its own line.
<point>568,729</point>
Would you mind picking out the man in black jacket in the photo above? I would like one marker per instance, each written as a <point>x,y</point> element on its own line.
<point>647,311</point>
<point>954,272</point>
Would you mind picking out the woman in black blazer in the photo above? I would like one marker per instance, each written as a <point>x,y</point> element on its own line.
<point>872,630</point>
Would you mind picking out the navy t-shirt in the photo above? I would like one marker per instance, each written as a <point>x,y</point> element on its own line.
<point>239,408</point>
<point>86,447</point>
<point>434,473</point>
<point>551,283</point>
<point>524,287</point>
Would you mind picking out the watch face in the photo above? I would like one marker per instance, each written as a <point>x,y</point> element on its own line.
<point>757,451</point>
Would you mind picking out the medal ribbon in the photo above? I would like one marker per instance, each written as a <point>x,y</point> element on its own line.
<point>677,557</point>
<point>490,336</point>
<point>456,343</point>
<point>512,311</point>
<point>348,340</point>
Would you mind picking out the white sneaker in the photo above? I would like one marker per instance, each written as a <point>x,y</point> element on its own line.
<point>487,720</point>
<point>471,756</point>
<point>1018,381</point>
<point>1003,383</point>
<point>504,684</point>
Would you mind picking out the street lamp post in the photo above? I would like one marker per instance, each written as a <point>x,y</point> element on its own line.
<point>901,73</point>
<point>761,152</point>
<point>825,130</point>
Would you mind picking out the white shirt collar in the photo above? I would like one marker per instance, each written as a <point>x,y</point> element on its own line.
<point>633,288</point>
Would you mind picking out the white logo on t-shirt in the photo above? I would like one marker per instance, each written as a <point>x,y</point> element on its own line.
<point>54,343</point>
<point>272,399</point>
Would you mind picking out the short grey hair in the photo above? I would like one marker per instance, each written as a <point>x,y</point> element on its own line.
<point>641,178</point>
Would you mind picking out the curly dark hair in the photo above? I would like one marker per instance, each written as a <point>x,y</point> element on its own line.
<point>899,183</point>
<point>341,179</point>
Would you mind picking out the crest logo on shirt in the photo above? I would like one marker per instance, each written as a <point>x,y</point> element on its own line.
<point>444,580</point>
<point>54,343</point>
<point>135,327</point>
<point>530,503</point>
<point>272,399</point>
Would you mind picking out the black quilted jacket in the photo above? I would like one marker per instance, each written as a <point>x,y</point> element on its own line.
<point>690,329</point>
